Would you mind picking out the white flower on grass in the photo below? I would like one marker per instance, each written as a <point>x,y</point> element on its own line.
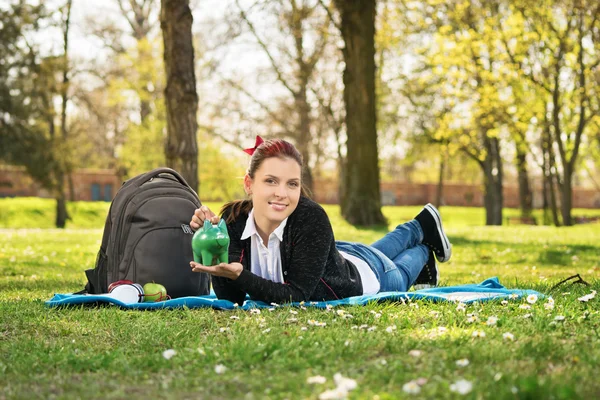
<point>234,317</point>
<point>461,307</point>
<point>527,315</point>
<point>415,353</point>
<point>220,369</point>
<point>292,319</point>
<point>532,298</point>
<point>316,379</point>
<point>587,297</point>
<point>266,330</point>
<point>508,336</point>
<point>294,312</point>
<point>335,394</point>
<point>303,328</point>
<point>275,304</point>
<point>201,351</point>
<point>254,311</point>
<point>497,377</point>
<point>504,302</point>
<point>344,383</point>
<point>411,387</point>
<point>463,362</point>
<point>348,316</point>
<point>390,329</point>
<point>491,321</point>
<point>347,343</point>
<point>414,305</point>
<point>559,318</point>
<point>549,306</point>
<point>472,319</point>
<point>223,330</point>
<point>168,354</point>
<point>340,312</point>
<point>371,328</point>
<point>329,307</point>
<point>478,334</point>
<point>461,387</point>
<point>525,307</point>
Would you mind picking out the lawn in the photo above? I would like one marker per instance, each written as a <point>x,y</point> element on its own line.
<point>517,349</point>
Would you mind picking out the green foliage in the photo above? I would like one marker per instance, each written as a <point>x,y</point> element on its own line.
<point>220,170</point>
<point>113,353</point>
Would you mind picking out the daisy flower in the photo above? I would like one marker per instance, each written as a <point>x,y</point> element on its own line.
<point>491,321</point>
<point>532,298</point>
<point>316,379</point>
<point>478,334</point>
<point>508,336</point>
<point>411,387</point>
<point>415,353</point>
<point>461,387</point>
<point>463,362</point>
<point>168,354</point>
<point>220,368</point>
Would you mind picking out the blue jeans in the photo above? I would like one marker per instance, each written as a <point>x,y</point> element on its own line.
<point>396,259</point>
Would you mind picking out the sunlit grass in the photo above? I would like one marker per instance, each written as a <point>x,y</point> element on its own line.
<point>106,352</point>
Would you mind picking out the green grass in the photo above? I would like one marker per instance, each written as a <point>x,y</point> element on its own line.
<point>109,353</point>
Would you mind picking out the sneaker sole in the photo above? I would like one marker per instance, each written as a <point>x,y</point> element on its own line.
<point>447,247</point>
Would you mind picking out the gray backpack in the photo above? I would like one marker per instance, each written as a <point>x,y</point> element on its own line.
<point>147,237</point>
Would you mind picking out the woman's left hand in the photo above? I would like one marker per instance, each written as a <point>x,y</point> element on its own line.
<point>231,271</point>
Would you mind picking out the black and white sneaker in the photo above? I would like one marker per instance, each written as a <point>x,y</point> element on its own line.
<point>433,233</point>
<point>429,276</point>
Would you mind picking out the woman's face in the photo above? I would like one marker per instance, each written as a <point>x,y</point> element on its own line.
<point>275,191</point>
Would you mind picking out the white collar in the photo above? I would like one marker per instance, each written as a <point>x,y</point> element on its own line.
<point>250,228</point>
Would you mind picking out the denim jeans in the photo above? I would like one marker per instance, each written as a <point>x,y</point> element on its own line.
<point>396,259</point>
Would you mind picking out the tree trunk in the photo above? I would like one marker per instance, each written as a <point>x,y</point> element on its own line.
<point>525,194</point>
<point>566,196</point>
<point>361,204</point>
<point>304,136</point>
<point>63,165</point>
<point>180,93</point>
<point>439,194</point>
<point>492,172</point>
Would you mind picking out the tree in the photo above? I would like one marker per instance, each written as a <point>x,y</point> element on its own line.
<point>559,52</point>
<point>33,135</point>
<point>361,201</point>
<point>180,93</point>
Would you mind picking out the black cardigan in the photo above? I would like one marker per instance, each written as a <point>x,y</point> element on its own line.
<point>312,267</point>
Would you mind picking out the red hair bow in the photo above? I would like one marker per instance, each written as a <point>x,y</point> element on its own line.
<point>258,142</point>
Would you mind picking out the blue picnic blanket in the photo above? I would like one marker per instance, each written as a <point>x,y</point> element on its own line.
<point>490,289</point>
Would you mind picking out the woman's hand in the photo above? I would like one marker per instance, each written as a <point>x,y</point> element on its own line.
<point>201,214</point>
<point>231,271</point>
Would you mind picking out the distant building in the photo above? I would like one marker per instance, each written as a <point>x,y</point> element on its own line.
<point>102,185</point>
<point>88,184</point>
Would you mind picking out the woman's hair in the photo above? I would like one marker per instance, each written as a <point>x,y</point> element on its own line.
<point>268,149</point>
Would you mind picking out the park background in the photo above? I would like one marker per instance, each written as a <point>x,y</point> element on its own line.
<point>500,97</point>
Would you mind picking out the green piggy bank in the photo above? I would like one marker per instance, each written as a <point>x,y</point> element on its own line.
<point>210,244</point>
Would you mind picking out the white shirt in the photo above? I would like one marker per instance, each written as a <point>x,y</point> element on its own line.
<point>265,261</point>
<point>367,276</point>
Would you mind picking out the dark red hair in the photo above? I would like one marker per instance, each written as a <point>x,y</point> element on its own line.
<point>268,149</point>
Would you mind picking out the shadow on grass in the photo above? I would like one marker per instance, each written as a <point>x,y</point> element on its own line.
<point>557,255</point>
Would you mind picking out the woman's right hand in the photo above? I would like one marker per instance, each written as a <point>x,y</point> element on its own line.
<point>201,214</point>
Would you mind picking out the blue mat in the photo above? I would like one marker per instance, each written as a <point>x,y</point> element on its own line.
<point>490,289</point>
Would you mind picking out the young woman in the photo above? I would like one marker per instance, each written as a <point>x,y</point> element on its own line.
<point>282,247</point>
